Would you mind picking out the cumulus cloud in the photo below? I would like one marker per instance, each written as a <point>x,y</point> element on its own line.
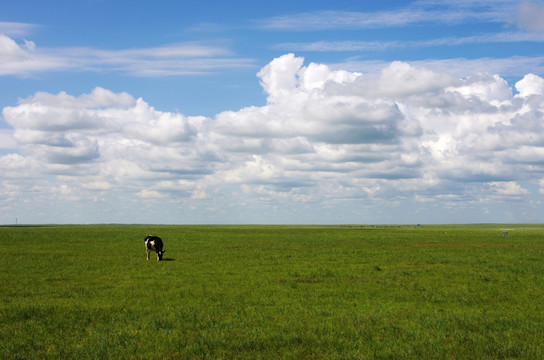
<point>325,137</point>
<point>512,67</point>
<point>6,139</point>
<point>531,84</point>
<point>111,136</point>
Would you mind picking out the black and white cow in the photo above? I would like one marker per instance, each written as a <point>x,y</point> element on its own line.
<point>154,243</point>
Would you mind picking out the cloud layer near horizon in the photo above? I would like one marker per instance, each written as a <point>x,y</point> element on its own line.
<point>324,138</point>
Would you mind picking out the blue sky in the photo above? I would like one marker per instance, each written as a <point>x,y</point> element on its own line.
<point>289,112</point>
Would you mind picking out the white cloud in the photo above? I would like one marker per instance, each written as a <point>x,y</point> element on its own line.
<point>516,66</point>
<point>16,166</point>
<point>354,45</point>
<point>23,60</point>
<point>530,15</point>
<point>531,84</point>
<point>447,12</point>
<point>6,139</point>
<point>508,188</point>
<point>15,29</point>
<point>150,194</point>
<point>9,49</point>
<point>97,185</point>
<point>325,138</point>
<point>172,59</point>
<point>278,78</point>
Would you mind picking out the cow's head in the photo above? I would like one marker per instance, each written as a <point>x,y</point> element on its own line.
<point>160,254</point>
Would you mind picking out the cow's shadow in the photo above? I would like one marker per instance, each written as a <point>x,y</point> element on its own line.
<point>168,259</point>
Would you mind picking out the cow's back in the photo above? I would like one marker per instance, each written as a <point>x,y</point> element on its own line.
<point>153,242</point>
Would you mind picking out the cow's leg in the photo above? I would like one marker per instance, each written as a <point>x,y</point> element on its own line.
<point>148,251</point>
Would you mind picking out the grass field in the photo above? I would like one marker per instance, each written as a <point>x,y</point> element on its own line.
<point>273,292</point>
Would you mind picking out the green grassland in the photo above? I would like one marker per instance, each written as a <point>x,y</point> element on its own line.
<point>273,292</point>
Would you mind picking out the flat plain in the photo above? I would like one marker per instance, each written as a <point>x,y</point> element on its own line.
<point>273,292</point>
